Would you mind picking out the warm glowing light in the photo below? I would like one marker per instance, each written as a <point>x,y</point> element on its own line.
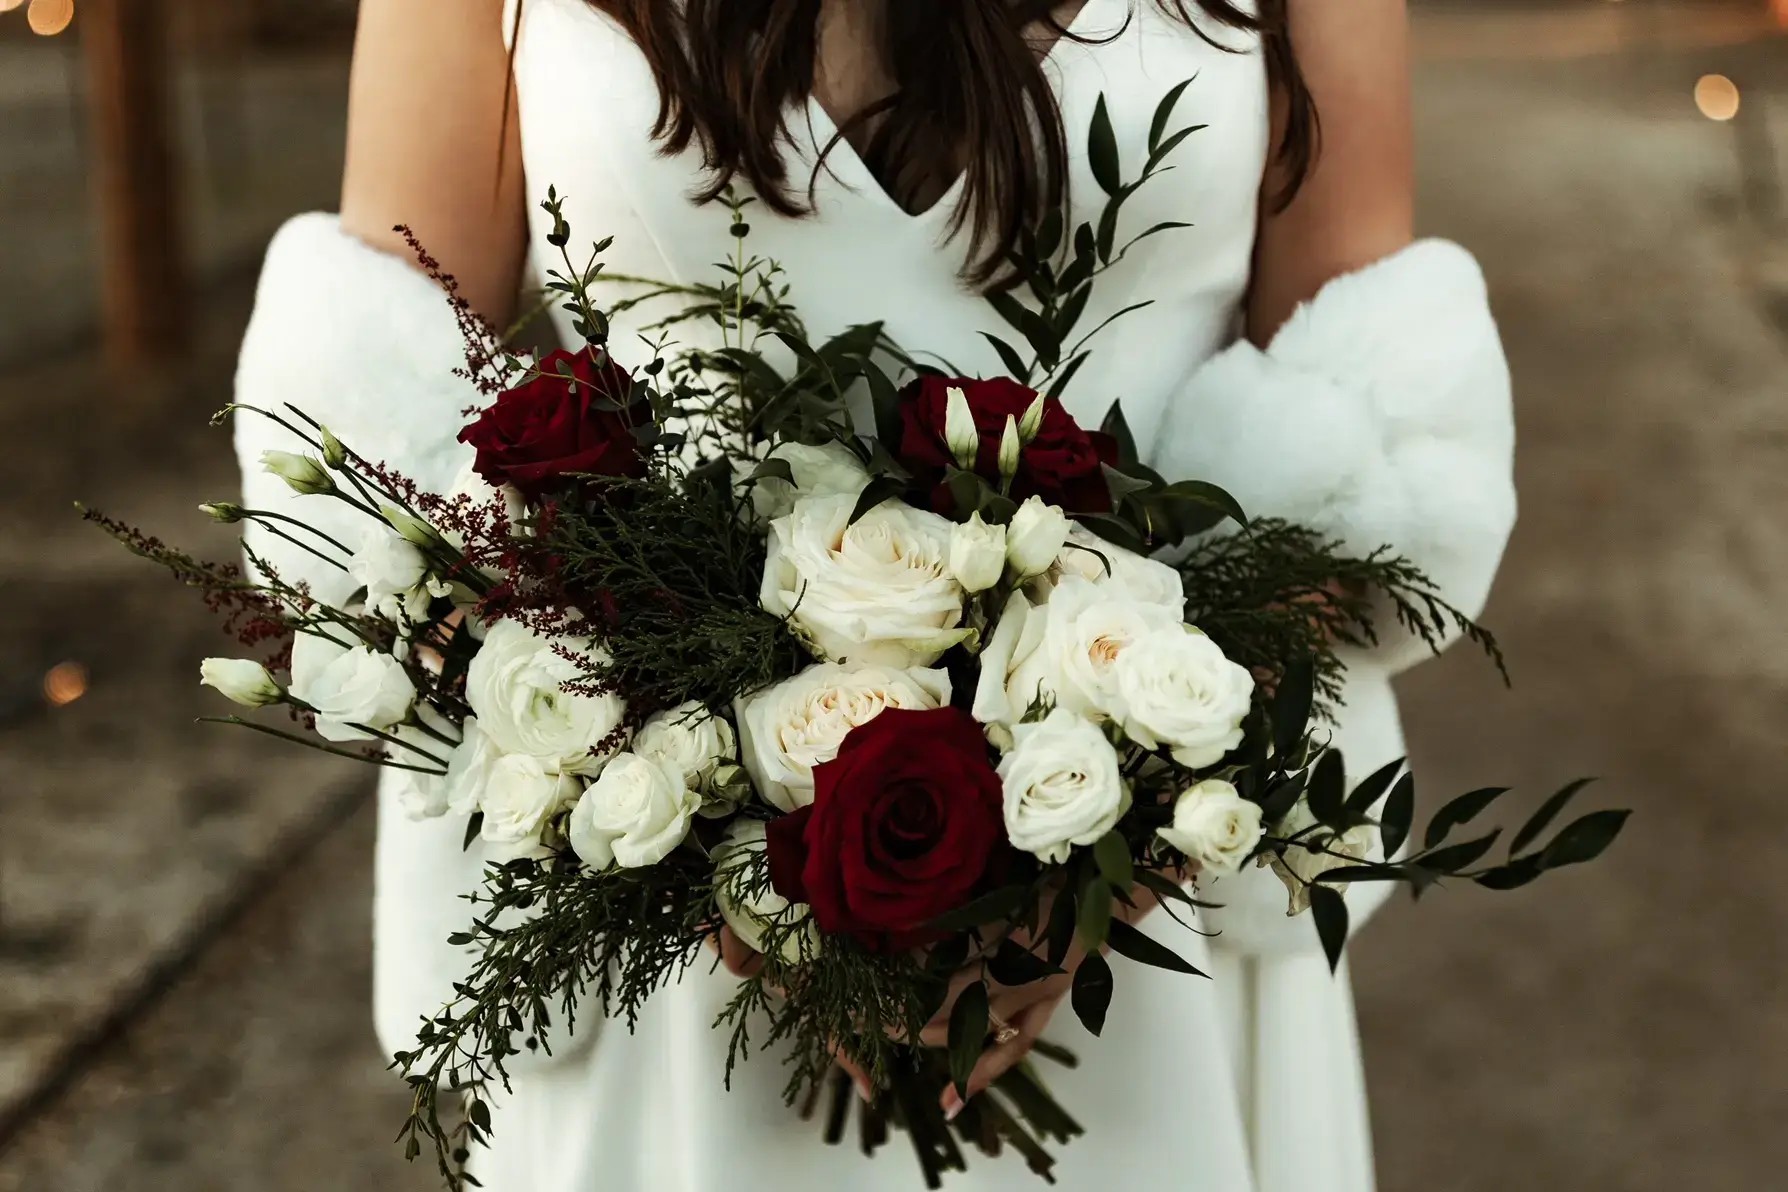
<point>1717,97</point>
<point>50,17</point>
<point>64,683</point>
<point>9,5</point>
<point>1779,10</point>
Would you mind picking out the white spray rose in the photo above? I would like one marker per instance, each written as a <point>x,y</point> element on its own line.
<point>241,681</point>
<point>398,585</point>
<point>1214,826</point>
<point>688,738</point>
<point>1035,537</point>
<point>1315,850</point>
<point>516,685</point>
<point>879,592</point>
<point>349,686</point>
<point>468,769</point>
<point>1179,690</point>
<point>1062,786</point>
<point>750,912</point>
<point>1086,629</point>
<point>520,794</point>
<point>799,723</point>
<point>977,554</point>
<point>1138,577</point>
<point>830,470</point>
<point>1016,635</point>
<point>634,814</point>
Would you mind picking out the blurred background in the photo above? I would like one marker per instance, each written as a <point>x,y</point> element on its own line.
<point>184,928</point>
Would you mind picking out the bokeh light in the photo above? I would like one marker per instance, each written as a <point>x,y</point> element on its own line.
<point>1717,97</point>
<point>64,683</point>
<point>9,5</point>
<point>50,17</point>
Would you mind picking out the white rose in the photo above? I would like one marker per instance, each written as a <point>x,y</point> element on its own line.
<point>688,738</point>
<point>788,729</point>
<point>878,592</point>
<point>977,554</point>
<point>1315,850</point>
<point>421,795</point>
<point>1214,826</point>
<point>346,686</point>
<point>520,794</point>
<point>634,814</point>
<point>1086,629</point>
<point>241,681</point>
<point>830,470</point>
<point>1016,635</point>
<point>750,909</point>
<point>1137,576</point>
<point>516,685</point>
<point>1035,537</point>
<point>1062,786</point>
<point>468,768</point>
<point>398,585</point>
<point>1177,689</point>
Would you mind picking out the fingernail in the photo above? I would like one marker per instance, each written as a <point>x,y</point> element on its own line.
<point>951,1113</point>
<point>952,1105</point>
<point>864,1091</point>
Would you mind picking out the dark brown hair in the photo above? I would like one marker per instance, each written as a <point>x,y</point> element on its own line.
<point>729,73</point>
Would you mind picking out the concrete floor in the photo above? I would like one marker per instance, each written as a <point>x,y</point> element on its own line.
<point>1619,1029</point>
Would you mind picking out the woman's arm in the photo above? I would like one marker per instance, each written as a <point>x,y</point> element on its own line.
<point>1357,204</point>
<point>433,143</point>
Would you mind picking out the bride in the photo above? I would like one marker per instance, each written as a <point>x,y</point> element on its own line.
<point>1300,349</point>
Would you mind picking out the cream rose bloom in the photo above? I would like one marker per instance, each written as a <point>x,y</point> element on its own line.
<point>751,911</point>
<point>1179,690</point>
<point>829,470</point>
<point>1062,786</point>
<point>1214,826</point>
<point>634,814</point>
<point>1315,851</point>
<point>788,729</point>
<point>519,795</point>
<point>1138,577</point>
<point>1086,629</point>
<point>516,685</point>
<point>688,738</point>
<point>346,686</point>
<point>879,592</point>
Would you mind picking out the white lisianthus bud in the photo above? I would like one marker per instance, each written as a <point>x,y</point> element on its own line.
<point>1010,450</point>
<point>1032,422</point>
<point>241,681</point>
<point>1214,826</point>
<point>304,474</point>
<point>634,814</point>
<point>348,686</point>
<point>960,433</point>
<point>1062,786</point>
<point>520,795</point>
<point>226,512</point>
<point>1035,537</point>
<point>977,554</point>
<point>413,529</point>
<point>749,907</point>
<point>334,454</point>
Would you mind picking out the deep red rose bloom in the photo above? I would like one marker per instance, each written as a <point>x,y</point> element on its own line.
<point>553,427</point>
<point>905,825</point>
<point>1061,464</point>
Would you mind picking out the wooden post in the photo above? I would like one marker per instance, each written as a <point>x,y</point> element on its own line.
<point>141,251</point>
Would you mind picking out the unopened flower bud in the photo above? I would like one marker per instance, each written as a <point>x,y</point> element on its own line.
<point>226,512</point>
<point>977,554</point>
<point>304,474</point>
<point>412,529</point>
<point>334,454</point>
<point>1010,449</point>
<point>247,683</point>
<point>1035,538</point>
<point>960,434</point>
<point>1032,422</point>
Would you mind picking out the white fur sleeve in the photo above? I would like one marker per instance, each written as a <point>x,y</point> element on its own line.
<point>1380,414</point>
<point>366,344</point>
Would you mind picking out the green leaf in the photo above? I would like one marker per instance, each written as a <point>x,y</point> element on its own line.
<point>998,906</point>
<point>886,400</point>
<point>1127,941</point>
<point>1009,358</point>
<point>474,826</point>
<point>773,469</point>
<point>1164,226</point>
<point>1159,153</point>
<point>1329,910</point>
<point>1122,487</point>
<point>1118,427</point>
<point>1164,112</point>
<point>1108,222</point>
<point>878,490</point>
<point>1584,840</point>
<point>1203,493</point>
<point>479,1112</point>
<point>1049,233</point>
<point>1455,857</point>
<point>1281,797</point>
<point>968,1035</point>
<point>1091,995</point>
<point>1012,964</point>
<point>1328,782</point>
<point>1095,914</point>
<point>1058,386</point>
<point>1397,814</point>
<point>1367,793</point>
<point>1166,888</point>
<point>1541,819</point>
<point>1059,934</point>
<point>1071,310</point>
<point>1115,530</point>
<point>1112,852</point>
<point>1459,811</point>
<point>1102,153</point>
<point>1291,706</point>
<point>1512,876</point>
<point>1038,333</point>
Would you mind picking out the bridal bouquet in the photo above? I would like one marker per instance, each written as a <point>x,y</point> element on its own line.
<point>878,666</point>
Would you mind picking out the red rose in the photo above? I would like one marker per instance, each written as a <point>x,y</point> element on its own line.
<point>556,426</point>
<point>1061,464</point>
<point>905,825</point>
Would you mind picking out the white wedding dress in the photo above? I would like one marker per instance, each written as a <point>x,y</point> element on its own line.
<point>1380,413</point>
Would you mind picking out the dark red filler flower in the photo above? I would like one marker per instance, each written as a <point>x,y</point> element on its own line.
<point>1061,464</point>
<point>555,425</point>
<point>905,826</point>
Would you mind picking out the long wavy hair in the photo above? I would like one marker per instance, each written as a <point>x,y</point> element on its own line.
<point>730,72</point>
